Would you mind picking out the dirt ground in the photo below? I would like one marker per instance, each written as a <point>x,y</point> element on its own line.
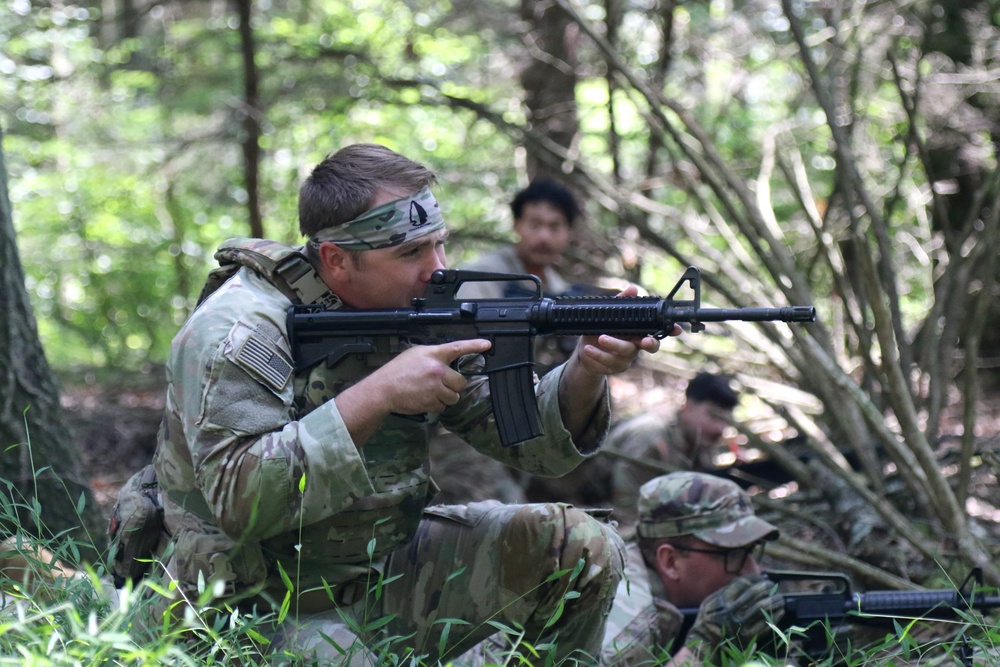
<point>114,419</point>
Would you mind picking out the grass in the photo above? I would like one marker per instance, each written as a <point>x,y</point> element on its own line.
<point>53,615</point>
<point>56,610</point>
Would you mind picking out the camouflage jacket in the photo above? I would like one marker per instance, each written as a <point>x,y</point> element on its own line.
<point>505,260</point>
<point>642,624</point>
<point>259,471</point>
<point>647,437</point>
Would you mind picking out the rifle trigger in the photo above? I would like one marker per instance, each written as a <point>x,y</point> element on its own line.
<point>470,365</point>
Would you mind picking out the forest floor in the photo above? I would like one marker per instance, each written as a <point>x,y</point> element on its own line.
<point>114,417</point>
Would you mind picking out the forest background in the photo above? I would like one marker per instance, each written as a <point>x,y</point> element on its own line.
<point>841,154</point>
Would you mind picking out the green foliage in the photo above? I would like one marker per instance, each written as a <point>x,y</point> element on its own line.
<point>79,619</point>
<point>56,609</point>
<point>124,156</point>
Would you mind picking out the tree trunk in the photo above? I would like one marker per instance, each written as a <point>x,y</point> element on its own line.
<point>43,493</point>
<point>250,138</point>
<point>549,81</point>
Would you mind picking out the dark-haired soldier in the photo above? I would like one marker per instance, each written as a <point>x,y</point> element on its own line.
<point>688,441</point>
<point>544,213</point>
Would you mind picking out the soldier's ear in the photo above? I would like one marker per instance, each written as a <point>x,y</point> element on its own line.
<point>335,261</point>
<point>667,563</point>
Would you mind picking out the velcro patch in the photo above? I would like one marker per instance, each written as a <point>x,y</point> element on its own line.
<point>260,355</point>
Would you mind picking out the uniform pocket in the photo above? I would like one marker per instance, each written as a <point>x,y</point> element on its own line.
<point>467,515</point>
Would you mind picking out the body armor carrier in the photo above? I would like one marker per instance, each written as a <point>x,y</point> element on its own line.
<point>285,267</point>
<point>395,457</point>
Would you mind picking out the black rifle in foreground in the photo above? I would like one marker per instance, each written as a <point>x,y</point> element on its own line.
<point>821,613</point>
<point>441,316</point>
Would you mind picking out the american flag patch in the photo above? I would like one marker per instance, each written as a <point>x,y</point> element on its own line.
<point>260,355</point>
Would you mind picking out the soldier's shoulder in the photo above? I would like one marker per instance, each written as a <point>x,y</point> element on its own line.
<point>640,427</point>
<point>246,296</point>
<point>241,309</point>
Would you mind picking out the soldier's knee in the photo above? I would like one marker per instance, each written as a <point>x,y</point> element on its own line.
<point>546,538</point>
<point>597,543</point>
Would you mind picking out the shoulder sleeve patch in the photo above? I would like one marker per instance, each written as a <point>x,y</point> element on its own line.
<point>260,355</point>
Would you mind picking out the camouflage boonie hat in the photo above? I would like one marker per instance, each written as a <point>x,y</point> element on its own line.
<point>710,508</point>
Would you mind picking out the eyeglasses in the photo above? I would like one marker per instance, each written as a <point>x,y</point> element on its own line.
<point>734,559</point>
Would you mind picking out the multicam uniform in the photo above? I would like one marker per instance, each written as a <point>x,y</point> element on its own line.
<point>642,625</point>
<point>260,476</point>
<point>647,438</point>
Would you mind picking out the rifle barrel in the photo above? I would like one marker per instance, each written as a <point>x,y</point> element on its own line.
<point>931,604</point>
<point>627,315</point>
<point>783,314</point>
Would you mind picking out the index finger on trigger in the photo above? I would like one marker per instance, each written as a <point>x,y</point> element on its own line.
<point>458,348</point>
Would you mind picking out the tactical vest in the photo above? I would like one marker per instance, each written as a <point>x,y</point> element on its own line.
<point>283,266</point>
<point>394,456</point>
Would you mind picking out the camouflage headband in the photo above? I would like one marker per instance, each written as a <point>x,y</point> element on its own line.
<point>387,225</point>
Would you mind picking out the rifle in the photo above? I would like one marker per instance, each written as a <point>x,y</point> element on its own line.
<point>820,613</point>
<point>440,316</point>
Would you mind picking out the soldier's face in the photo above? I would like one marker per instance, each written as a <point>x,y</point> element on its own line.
<point>392,277</point>
<point>703,423</point>
<point>698,574</point>
<point>543,232</point>
<point>389,277</point>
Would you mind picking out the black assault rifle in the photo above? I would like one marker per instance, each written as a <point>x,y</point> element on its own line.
<point>441,316</point>
<point>820,613</point>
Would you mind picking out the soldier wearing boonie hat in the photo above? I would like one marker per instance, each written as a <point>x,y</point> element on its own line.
<point>697,544</point>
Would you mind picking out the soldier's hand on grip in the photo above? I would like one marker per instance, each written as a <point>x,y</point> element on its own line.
<point>421,379</point>
<point>739,611</point>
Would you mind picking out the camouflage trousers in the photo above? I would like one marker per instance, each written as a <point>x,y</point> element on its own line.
<point>548,572</point>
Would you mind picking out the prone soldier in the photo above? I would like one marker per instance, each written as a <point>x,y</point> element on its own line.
<point>698,544</point>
